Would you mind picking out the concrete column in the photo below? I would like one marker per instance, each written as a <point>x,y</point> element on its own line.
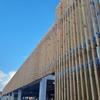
<point>42,90</point>
<point>19,94</point>
<point>43,87</point>
<point>6,97</point>
<point>98,51</point>
<point>9,97</point>
<point>12,96</point>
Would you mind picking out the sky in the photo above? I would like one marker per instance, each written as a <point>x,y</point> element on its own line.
<point>23,23</point>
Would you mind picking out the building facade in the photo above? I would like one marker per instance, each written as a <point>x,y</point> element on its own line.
<point>70,52</point>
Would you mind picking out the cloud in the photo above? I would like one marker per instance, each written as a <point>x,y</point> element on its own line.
<point>5,78</point>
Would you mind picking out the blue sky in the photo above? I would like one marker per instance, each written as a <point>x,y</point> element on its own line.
<point>22,25</point>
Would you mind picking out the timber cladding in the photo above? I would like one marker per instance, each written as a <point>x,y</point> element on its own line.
<point>71,50</point>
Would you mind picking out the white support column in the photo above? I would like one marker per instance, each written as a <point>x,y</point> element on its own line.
<point>19,94</point>
<point>9,97</point>
<point>43,87</point>
<point>6,97</point>
<point>98,51</point>
<point>12,96</point>
<point>42,90</point>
